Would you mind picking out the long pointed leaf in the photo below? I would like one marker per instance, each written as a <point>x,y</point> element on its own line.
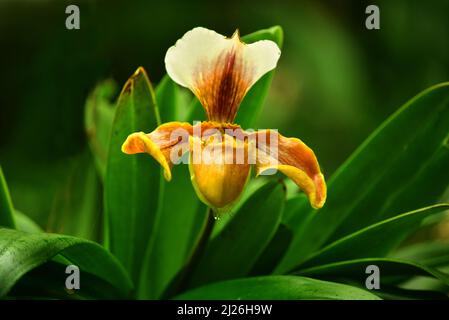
<point>6,208</point>
<point>48,282</point>
<point>432,253</point>
<point>389,269</point>
<point>181,214</point>
<point>26,224</point>
<point>401,166</point>
<point>21,252</point>
<point>376,240</point>
<point>132,183</point>
<point>98,117</point>
<point>277,288</point>
<point>180,221</point>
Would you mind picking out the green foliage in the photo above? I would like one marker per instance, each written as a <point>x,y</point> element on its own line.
<point>77,203</point>
<point>166,97</point>
<point>434,253</point>
<point>400,167</point>
<point>278,288</point>
<point>20,252</point>
<point>367,242</point>
<point>25,224</point>
<point>392,270</point>
<point>161,242</point>
<point>98,116</point>
<point>132,187</point>
<point>6,209</point>
<point>246,236</point>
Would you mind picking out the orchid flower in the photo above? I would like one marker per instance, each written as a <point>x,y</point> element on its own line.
<point>220,71</point>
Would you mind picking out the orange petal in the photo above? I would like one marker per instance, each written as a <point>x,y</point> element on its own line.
<point>163,144</point>
<point>294,159</point>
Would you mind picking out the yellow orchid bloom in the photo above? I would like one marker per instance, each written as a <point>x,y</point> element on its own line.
<point>220,71</point>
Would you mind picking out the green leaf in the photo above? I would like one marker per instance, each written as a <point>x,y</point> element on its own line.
<point>180,221</point>
<point>401,166</point>
<point>76,208</point>
<point>425,283</point>
<point>254,99</point>
<point>273,252</point>
<point>6,208</point>
<point>250,189</point>
<point>297,212</point>
<point>204,230</point>
<point>133,183</point>
<point>394,293</point>
<point>245,236</point>
<point>25,224</point>
<point>181,214</point>
<point>180,281</point>
<point>166,97</point>
<point>21,252</point>
<point>277,288</point>
<point>98,117</point>
<point>376,240</point>
<point>278,246</point>
<point>196,111</point>
<point>431,253</point>
<point>390,271</point>
<point>47,281</point>
<point>172,100</point>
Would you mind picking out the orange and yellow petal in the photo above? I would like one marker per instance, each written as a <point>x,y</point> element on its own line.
<point>293,158</point>
<point>161,143</point>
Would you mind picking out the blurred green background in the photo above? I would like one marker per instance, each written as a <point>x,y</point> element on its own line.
<point>335,83</point>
